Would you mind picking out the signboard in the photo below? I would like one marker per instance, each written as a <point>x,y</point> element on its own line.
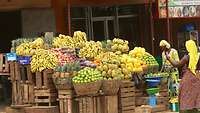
<point>179,8</point>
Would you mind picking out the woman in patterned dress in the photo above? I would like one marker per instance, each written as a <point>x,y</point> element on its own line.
<point>169,68</point>
<point>189,95</point>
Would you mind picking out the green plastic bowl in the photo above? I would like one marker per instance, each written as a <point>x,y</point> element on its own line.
<point>152,91</point>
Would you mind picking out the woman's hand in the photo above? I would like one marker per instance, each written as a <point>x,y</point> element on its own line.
<point>167,55</point>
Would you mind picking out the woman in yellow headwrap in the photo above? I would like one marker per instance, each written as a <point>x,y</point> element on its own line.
<point>169,68</point>
<point>189,95</point>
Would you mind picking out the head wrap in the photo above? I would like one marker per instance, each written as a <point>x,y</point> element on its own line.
<point>165,43</point>
<point>193,55</point>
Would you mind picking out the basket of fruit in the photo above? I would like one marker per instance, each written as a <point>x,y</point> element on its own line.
<point>64,74</point>
<point>63,80</point>
<point>91,88</point>
<point>88,81</point>
<point>110,87</point>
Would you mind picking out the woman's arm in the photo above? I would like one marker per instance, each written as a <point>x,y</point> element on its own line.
<point>180,63</point>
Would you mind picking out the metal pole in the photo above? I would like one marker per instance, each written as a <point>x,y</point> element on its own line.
<point>69,16</point>
<point>152,28</point>
<point>168,26</point>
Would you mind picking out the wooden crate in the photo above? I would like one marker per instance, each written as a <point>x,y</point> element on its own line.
<point>22,84</point>
<point>14,110</point>
<point>45,97</point>
<point>22,93</point>
<point>21,73</point>
<point>67,103</point>
<point>127,97</point>
<point>44,80</point>
<point>144,101</point>
<point>4,65</point>
<point>90,104</point>
<point>109,104</point>
<point>44,109</point>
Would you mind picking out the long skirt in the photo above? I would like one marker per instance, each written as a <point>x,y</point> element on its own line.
<point>189,95</point>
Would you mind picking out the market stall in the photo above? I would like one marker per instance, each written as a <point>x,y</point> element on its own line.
<point>75,75</point>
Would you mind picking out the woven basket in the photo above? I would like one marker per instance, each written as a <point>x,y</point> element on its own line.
<point>110,87</point>
<point>88,88</point>
<point>63,83</point>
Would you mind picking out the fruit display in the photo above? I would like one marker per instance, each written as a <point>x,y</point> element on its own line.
<point>43,59</point>
<point>63,41</point>
<point>110,66</point>
<point>160,74</point>
<point>69,67</point>
<point>79,39</point>
<point>87,75</point>
<point>149,59</point>
<point>90,50</point>
<point>137,52</point>
<point>64,55</point>
<point>119,45</point>
<point>28,48</point>
<point>132,64</point>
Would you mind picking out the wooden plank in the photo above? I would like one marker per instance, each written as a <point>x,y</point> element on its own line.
<point>1,62</point>
<point>14,92</point>
<point>112,105</point>
<point>159,108</point>
<point>45,100</point>
<point>45,79</point>
<point>61,105</point>
<point>26,92</point>
<point>129,111</point>
<point>130,94</point>
<point>4,74</point>
<point>17,72</point>
<point>12,71</point>
<point>38,80</point>
<point>6,70</point>
<point>128,108</point>
<point>45,94</point>
<point>127,84</point>
<point>31,93</point>
<point>131,89</point>
<point>128,104</point>
<point>29,74</point>
<point>80,105</point>
<point>128,99</point>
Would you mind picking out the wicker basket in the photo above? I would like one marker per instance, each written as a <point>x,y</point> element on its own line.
<point>63,83</point>
<point>88,88</point>
<point>110,87</point>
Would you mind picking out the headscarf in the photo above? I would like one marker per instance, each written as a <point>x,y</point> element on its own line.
<point>165,43</point>
<point>193,55</point>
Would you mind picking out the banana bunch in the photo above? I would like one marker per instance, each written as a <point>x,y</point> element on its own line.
<point>109,57</point>
<point>91,49</point>
<point>80,39</point>
<point>63,41</point>
<point>29,48</point>
<point>37,43</point>
<point>119,46</point>
<point>24,49</point>
<point>43,59</point>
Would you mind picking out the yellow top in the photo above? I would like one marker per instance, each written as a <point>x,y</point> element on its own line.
<point>173,56</point>
<point>193,55</point>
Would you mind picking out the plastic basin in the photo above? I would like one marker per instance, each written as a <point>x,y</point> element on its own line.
<point>152,91</point>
